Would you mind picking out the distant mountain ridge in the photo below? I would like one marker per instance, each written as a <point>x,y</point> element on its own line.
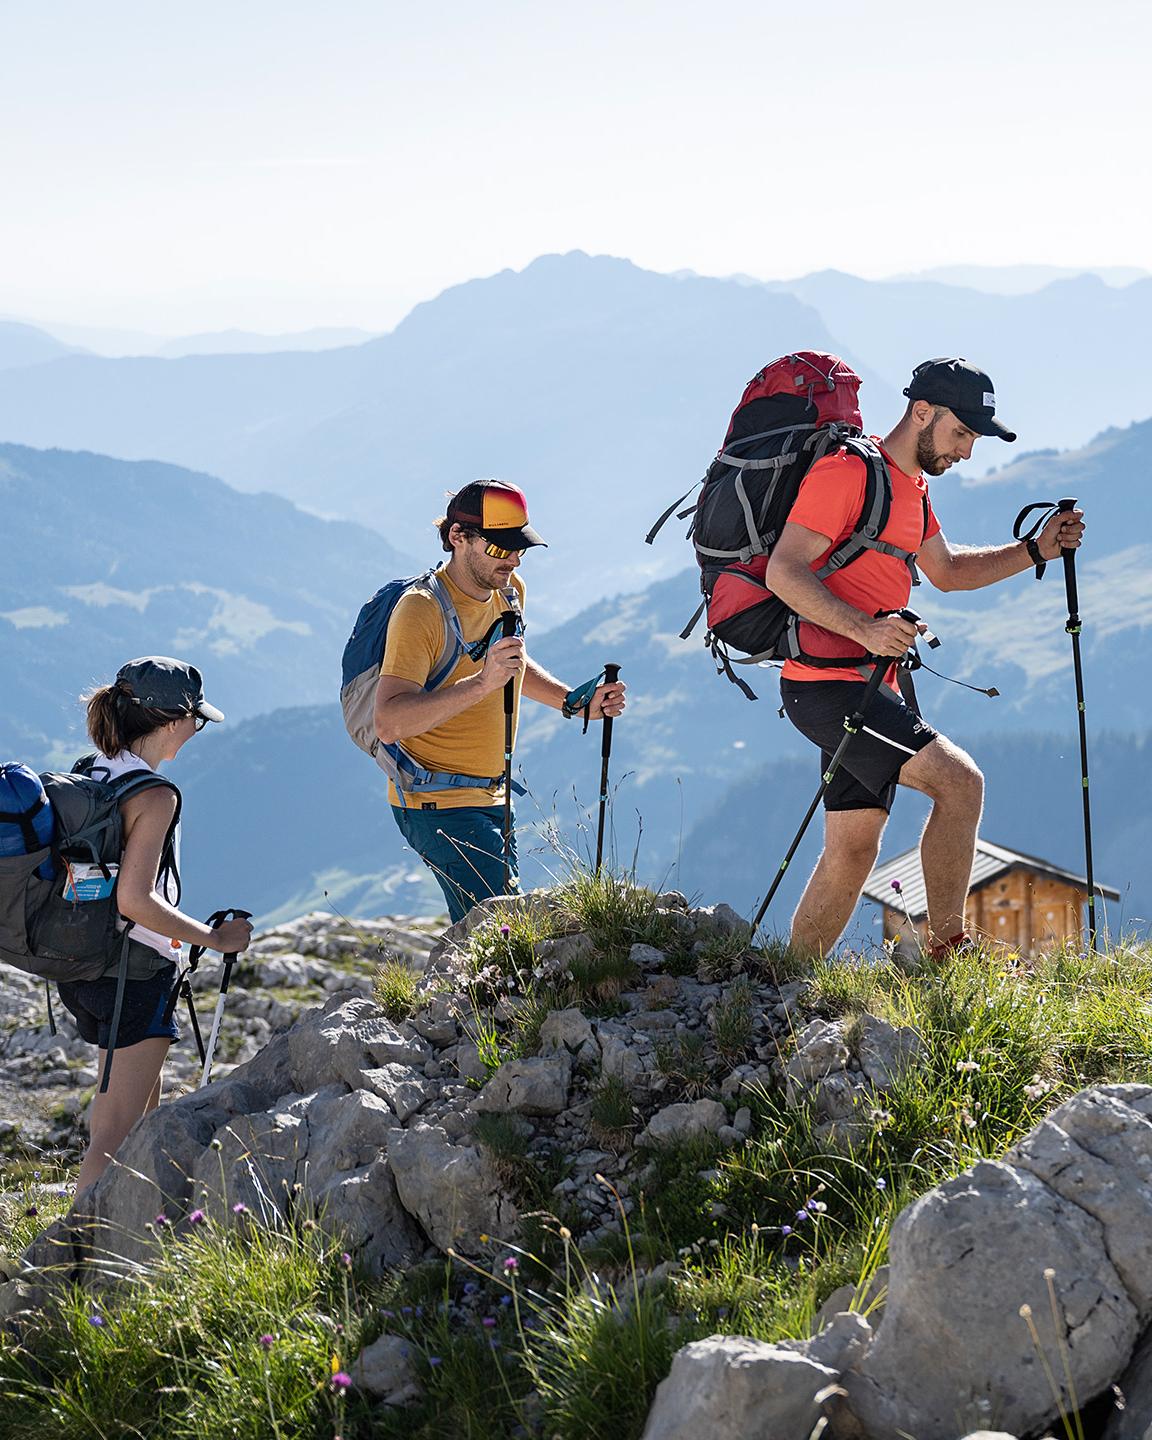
<point>602,388</point>
<point>106,559</point>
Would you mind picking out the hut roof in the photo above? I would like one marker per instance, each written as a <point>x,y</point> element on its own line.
<point>990,863</point>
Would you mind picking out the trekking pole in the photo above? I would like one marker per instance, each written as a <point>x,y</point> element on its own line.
<point>611,675</point>
<point>1073,628</point>
<point>852,724</point>
<point>508,624</point>
<point>225,978</point>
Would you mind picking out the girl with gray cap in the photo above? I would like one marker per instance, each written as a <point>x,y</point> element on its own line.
<point>144,718</point>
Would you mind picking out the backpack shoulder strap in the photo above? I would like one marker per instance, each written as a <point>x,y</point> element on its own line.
<point>136,782</point>
<point>431,583</point>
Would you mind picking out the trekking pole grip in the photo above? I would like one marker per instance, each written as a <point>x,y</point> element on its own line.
<point>507,632</point>
<point>214,921</point>
<point>1068,555</point>
<point>611,675</point>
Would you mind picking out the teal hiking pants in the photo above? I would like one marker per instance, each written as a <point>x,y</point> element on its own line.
<point>464,849</point>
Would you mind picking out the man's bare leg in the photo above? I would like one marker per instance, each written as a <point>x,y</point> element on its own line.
<point>953,782</point>
<point>851,844</point>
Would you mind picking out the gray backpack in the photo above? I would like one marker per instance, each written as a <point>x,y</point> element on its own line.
<point>47,934</point>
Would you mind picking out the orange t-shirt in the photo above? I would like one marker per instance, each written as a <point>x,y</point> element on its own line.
<point>830,500</point>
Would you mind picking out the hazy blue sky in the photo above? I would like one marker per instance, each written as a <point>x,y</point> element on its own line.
<point>278,164</point>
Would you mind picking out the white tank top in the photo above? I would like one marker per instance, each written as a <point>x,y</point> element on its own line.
<point>122,764</point>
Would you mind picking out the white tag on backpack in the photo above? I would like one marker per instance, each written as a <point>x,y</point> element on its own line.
<point>89,882</point>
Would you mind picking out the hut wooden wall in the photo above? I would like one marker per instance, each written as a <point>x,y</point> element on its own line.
<point>1026,912</point>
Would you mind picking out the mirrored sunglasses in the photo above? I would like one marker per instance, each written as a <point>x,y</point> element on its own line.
<point>496,553</point>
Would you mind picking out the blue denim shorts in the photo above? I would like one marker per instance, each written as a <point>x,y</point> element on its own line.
<point>464,849</point>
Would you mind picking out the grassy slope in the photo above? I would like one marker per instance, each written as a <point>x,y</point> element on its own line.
<point>240,1334</point>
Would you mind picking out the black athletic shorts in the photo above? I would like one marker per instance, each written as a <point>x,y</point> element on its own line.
<point>868,773</point>
<point>91,1002</point>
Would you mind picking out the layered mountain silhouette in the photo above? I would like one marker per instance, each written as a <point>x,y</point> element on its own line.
<point>105,560</point>
<point>603,388</point>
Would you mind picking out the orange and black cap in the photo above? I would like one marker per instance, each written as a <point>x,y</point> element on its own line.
<point>498,510</point>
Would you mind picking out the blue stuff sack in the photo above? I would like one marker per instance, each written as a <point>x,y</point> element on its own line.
<point>26,823</point>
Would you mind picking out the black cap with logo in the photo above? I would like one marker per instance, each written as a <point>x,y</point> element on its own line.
<point>964,389</point>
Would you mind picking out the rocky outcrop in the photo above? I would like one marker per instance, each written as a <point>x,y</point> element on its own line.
<point>1033,1266</point>
<point>733,1388</point>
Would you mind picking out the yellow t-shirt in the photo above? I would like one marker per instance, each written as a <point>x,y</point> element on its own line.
<point>471,743</point>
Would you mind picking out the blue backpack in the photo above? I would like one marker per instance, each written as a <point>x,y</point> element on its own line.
<point>363,656</point>
<point>26,823</point>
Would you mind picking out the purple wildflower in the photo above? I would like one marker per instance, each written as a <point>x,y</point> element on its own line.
<point>239,1208</point>
<point>785,1229</point>
<point>267,1341</point>
<point>346,1260</point>
<point>435,1360</point>
<point>197,1217</point>
<point>511,1265</point>
<point>489,1322</point>
<point>161,1220</point>
<point>802,1215</point>
<point>32,1211</point>
<point>505,930</point>
<point>896,886</point>
<point>341,1382</point>
<point>96,1320</point>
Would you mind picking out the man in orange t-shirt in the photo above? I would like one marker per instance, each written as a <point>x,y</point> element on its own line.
<point>950,405</point>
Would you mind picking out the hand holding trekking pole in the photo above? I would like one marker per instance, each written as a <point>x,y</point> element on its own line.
<point>228,923</point>
<point>508,625</point>
<point>611,676</point>
<point>1067,507</point>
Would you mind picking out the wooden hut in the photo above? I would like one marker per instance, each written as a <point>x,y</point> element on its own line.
<point>1027,904</point>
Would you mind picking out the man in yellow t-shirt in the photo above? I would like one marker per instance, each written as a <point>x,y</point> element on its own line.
<point>457,728</point>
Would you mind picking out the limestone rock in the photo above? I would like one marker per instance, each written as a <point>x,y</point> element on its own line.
<point>820,1050</point>
<point>886,1052</point>
<point>869,1302</point>
<point>533,1086</point>
<point>620,1059</point>
<point>401,1087</point>
<point>385,1371</point>
<point>685,1122</point>
<point>568,1032</point>
<point>1095,1151</point>
<point>1134,1422</point>
<point>436,1022</point>
<point>719,922</point>
<point>964,1258</point>
<point>733,1388</point>
<point>565,951</point>
<point>452,1190</point>
<point>352,1037</point>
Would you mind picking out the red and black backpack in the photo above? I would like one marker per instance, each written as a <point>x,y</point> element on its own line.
<point>792,413</point>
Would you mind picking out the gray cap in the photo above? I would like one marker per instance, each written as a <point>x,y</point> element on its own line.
<point>162,683</point>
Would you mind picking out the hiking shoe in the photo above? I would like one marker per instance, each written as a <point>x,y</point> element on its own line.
<point>961,944</point>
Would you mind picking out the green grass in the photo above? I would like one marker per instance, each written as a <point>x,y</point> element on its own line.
<point>396,989</point>
<point>577,1341</point>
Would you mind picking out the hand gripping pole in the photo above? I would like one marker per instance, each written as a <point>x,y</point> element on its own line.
<point>194,955</point>
<point>611,675</point>
<point>509,623</point>
<point>1073,627</point>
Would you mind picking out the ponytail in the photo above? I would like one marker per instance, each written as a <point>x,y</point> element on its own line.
<point>115,722</point>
